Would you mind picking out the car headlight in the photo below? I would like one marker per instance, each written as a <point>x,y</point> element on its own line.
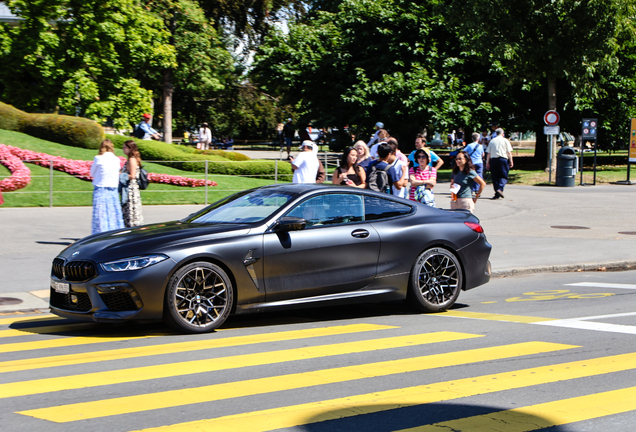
<point>134,263</point>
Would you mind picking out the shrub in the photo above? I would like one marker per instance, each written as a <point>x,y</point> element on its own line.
<point>179,157</point>
<point>73,131</point>
<point>229,155</point>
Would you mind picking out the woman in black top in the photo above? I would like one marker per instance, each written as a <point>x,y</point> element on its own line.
<point>349,173</point>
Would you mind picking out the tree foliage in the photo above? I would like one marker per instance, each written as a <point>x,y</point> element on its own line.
<point>388,60</point>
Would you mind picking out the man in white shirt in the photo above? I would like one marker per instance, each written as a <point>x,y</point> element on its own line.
<point>382,135</point>
<point>499,161</point>
<point>306,164</point>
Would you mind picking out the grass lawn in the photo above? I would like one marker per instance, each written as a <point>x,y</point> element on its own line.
<point>70,191</point>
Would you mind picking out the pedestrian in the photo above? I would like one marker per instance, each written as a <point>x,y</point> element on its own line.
<point>383,135</point>
<point>107,213</point>
<point>499,161</point>
<point>423,178</point>
<point>400,169</point>
<point>476,153</point>
<point>434,160</point>
<point>459,137</point>
<point>289,132</point>
<point>205,137</point>
<point>306,164</point>
<point>349,173</point>
<point>463,177</point>
<point>129,186</point>
<point>144,131</point>
<point>280,137</point>
<point>364,157</point>
<point>376,180</point>
<point>375,138</point>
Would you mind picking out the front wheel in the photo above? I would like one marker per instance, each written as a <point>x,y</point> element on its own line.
<point>436,279</point>
<point>199,298</point>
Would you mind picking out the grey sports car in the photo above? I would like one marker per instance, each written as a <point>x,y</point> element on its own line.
<point>281,246</point>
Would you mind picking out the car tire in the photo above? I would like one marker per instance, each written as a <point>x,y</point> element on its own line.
<point>199,298</point>
<point>436,280</point>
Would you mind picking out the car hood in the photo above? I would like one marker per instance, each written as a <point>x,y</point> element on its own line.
<point>154,238</point>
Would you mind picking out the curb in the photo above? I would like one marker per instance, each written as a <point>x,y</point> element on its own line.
<point>605,266</point>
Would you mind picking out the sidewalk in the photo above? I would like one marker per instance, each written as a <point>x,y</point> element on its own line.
<point>520,228</point>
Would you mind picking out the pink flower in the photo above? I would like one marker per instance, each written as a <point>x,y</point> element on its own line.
<point>20,174</point>
<point>82,169</point>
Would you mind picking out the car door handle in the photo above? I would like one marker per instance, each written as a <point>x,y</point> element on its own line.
<point>360,233</point>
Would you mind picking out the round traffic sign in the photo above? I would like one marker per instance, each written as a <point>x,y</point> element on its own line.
<point>551,118</point>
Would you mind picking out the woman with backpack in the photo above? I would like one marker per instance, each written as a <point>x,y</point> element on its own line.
<point>423,177</point>
<point>129,186</point>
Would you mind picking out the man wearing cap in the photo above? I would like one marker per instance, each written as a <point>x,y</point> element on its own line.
<point>378,126</point>
<point>306,164</point>
<point>145,129</point>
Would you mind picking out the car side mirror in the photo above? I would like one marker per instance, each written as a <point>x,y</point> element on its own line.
<point>289,223</point>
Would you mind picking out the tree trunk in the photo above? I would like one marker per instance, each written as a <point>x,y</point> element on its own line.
<point>168,89</point>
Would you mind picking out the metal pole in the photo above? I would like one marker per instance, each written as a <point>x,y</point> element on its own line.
<point>550,161</point>
<point>50,183</point>
<point>594,183</point>
<point>276,170</point>
<point>206,182</point>
<point>581,164</point>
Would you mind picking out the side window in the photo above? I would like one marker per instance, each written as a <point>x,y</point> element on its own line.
<point>378,208</point>
<point>330,209</point>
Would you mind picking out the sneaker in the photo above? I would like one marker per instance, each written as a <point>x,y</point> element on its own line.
<point>500,193</point>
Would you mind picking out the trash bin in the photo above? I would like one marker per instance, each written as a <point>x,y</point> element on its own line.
<point>566,167</point>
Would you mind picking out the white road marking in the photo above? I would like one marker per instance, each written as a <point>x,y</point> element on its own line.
<point>603,285</point>
<point>582,324</point>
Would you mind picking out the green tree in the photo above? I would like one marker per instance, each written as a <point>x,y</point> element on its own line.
<point>389,60</point>
<point>539,43</point>
<point>87,57</point>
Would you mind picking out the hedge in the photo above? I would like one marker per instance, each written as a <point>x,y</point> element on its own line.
<point>67,130</point>
<point>171,155</point>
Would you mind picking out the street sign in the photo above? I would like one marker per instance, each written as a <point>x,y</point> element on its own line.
<point>590,128</point>
<point>551,130</point>
<point>551,118</point>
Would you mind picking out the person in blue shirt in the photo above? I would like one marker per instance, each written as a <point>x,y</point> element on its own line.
<point>476,153</point>
<point>147,130</point>
<point>420,143</point>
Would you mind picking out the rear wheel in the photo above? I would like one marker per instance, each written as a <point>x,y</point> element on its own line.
<point>199,298</point>
<point>436,279</point>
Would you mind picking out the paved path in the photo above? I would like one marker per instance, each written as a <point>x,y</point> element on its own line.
<point>520,228</point>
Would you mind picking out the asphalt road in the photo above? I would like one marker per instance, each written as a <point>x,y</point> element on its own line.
<point>542,352</point>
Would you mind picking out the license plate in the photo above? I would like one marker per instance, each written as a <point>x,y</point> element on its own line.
<point>62,288</point>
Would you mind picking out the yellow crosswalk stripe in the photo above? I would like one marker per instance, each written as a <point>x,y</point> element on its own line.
<point>27,318</point>
<point>544,415</point>
<point>350,406</point>
<point>46,385</point>
<point>29,331</point>
<point>152,350</point>
<point>62,342</point>
<point>495,317</point>
<point>166,399</point>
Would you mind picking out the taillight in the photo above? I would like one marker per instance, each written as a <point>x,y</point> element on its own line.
<point>474,226</point>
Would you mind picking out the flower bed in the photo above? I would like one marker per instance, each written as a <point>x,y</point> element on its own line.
<point>20,174</point>
<point>13,158</point>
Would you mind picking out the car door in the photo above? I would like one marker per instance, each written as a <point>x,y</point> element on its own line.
<point>336,252</point>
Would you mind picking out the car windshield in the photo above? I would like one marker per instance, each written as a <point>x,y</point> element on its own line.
<point>248,207</point>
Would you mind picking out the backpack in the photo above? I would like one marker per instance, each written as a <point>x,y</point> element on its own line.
<point>143,180</point>
<point>139,133</point>
<point>378,179</point>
